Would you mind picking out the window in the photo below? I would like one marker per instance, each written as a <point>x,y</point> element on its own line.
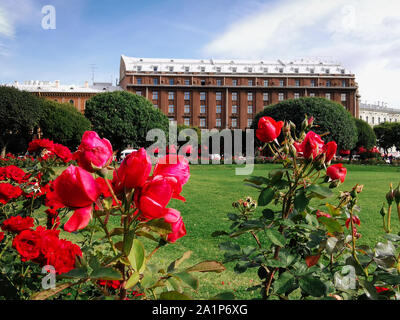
<point>155,95</point>
<point>171,69</point>
<point>344,83</point>
<point>265,70</point>
<point>327,71</point>
<point>218,108</point>
<point>203,69</point>
<point>187,95</point>
<point>234,69</point>
<point>297,83</point>
<point>250,69</point>
<point>187,82</point>
<point>249,96</point>
<point>265,83</point>
<point>187,108</point>
<point>328,83</point>
<point>202,96</point>
<point>250,82</point>
<point>281,83</point>
<point>234,123</point>
<point>218,69</point>
<point>379,120</point>
<point>203,82</point>
<point>296,70</point>
<point>249,109</point>
<point>139,80</point>
<point>171,108</point>
<point>328,96</point>
<point>296,95</point>
<point>234,108</point>
<point>343,97</point>
<point>218,96</point>
<point>202,108</point>
<point>265,96</point>
<point>155,68</point>
<point>234,96</point>
<point>186,121</point>
<point>280,96</point>
<point>139,68</point>
<point>219,82</point>
<point>312,83</point>
<point>312,94</point>
<point>139,93</point>
<point>218,122</point>
<point>280,70</point>
<point>234,82</point>
<point>202,122</point>
<point>186,69</point>
<point>366,118</point>
<point>373,120</point>
<point>155,81</point>
<point>171,95</point>
<point>249,122</point>
<point>312,70</point>
<point>171,81</point>
<point>71,101</point>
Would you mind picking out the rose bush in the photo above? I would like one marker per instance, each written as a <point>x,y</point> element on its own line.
<point>61,224</point>
<point>304,249</point>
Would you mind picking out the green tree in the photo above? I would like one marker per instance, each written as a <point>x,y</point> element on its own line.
<point>19,117</point>
<point>62,123</point>
<point>366,135</point>
<point>124,118</point>
<point>329,116</point>
<point>388,135</point>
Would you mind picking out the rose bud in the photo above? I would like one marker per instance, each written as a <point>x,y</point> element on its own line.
<point>173,166</point>
<point>133,171</point>
<point>390,196</point>
<point>268,129</point>
<point>173,217</point>
<point>312,145</point>
<point>330,151</point>
<point>397,195</point>
<point>337,172</point>
<point>75,188</point>
<point>93,153</point>
<point>383,211</point>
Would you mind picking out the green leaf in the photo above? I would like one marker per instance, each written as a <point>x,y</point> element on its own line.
<point>257,180</point>
<point>78,273</point>
<point>266,196</point>
<point>189,279</point>
<point>137,255</point>
<point>229,246</point>
<point>174,295</point>
<point>285,284</point>
<point>175,264</point>
<point>331,224</point>
<point>369,289</point>
<point>300,201</point>
<point>127,246</point>
<point>159,226</point>
<point>106,274</point>
<point>133,280</point>
<point>43,295</point>
<point>320,191</point>
<point>207,266</point>
<point>275,237</point>
<point>313,286</point>
<point>223,296</point>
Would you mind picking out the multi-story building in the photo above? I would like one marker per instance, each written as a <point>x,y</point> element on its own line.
<point>74,94</point>
<point>229,93</point>
<point>379,112</point>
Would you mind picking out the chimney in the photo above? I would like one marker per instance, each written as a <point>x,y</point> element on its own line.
<point>57,82</point>
<point>16,83</point>
<point>86,84</point>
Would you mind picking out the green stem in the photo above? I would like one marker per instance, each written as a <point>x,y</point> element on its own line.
<point>389,219</point>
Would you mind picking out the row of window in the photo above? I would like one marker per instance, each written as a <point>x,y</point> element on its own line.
<point>379,119</point>
<point>218,122</point>
<point>203,109</point>
<point>186,82</point>
<point>218,96</point>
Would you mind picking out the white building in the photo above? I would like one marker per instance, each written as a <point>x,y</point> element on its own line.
<point>376,113</point>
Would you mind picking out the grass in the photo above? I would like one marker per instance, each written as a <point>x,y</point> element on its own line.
<point>209,195</point>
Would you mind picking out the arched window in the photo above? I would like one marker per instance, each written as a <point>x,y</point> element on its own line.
<point>71,101</point>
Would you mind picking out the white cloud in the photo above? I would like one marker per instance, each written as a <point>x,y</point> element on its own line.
<point>363,34</point>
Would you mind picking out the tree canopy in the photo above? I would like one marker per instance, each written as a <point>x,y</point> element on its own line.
<point>366,135</point>
<point>63,123</point>
<point>388,135</point>
<point>124,118</point>
<point>329,116</point>
<point>19,117</point>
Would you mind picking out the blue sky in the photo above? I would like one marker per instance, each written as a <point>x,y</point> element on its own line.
<point>364,35</point>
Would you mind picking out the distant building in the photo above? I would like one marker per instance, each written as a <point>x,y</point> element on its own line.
<point>74,94</point>
<point>229,93</point>
<point>379,112</point>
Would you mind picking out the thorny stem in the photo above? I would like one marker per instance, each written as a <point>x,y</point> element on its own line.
<point>389,229</point>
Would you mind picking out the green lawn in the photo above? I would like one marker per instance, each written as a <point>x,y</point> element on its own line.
<point>209,195</point>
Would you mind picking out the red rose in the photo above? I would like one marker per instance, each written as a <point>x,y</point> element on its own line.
<point>173,166</point>
<point>381,289</point>
<point>28,244</point>
<point>8,192</point>
<point>173,217</point>
<point>268,129</point>
<point>17,224</point>
<point>133,171</point>
<point>356,220</point>
<point>312,145</point>
<point>330,150</point>
<point>93,152</point>
<point>15,173</point>
<point>322,214</point>
<point>337,171</point>
<point>75,188</point>
<point>62,152</point>
<point>64,257</point>
<point>1,236</point>
<point>154,196</point>
<point>40,144</point>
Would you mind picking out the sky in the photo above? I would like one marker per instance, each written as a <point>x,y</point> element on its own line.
<point>89,36</point>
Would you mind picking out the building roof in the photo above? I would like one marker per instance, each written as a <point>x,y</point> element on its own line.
<point>378,107</point>
<point>56,86</point>
<point>303,66</point>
